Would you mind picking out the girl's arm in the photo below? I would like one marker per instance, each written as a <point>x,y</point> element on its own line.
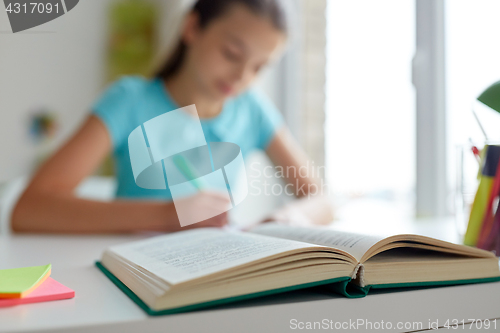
<point>49,204</point>
<point>313,205</point>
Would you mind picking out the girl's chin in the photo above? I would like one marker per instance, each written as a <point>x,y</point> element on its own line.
<point>224,90</point>
<point>221,93</point>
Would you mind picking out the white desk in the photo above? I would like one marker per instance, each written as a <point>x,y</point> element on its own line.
<point>99,306</point>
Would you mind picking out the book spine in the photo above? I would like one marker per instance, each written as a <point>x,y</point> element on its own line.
<point>359,274</point>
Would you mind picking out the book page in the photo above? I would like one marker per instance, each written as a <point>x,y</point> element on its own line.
<point>352,243</point>
<point>186,255</point>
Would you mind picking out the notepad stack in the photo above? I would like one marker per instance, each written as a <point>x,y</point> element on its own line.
<point>30,285</point>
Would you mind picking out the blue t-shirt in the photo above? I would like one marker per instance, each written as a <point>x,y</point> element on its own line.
<point>249,120</point>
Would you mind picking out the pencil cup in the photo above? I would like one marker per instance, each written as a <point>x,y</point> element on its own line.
<point>483,227</point>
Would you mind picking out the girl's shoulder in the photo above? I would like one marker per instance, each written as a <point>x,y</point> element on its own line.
<point>117,105</point>
<point>256,100</point>
<point>131,83</point>
<point>262,116</point>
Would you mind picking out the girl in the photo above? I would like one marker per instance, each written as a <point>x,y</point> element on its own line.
<point>222,47</point>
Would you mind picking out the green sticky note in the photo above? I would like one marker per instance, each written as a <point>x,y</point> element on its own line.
<point>19,282</point>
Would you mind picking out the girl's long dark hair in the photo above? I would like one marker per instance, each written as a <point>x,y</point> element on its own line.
<point>208,10</point>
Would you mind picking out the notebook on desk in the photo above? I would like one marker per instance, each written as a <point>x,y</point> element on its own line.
<point>199,268</point>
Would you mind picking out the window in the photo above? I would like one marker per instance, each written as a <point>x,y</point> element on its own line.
<point>472,64</point>
<point>370,125</point>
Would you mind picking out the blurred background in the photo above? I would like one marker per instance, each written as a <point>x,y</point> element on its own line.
<point>378,92</point>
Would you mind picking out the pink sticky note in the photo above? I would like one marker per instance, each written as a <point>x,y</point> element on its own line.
<point>49,290</point>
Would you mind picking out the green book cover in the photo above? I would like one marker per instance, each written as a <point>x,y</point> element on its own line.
<point>204,305</point>
<point>352,290</point>
<point>340,286</point>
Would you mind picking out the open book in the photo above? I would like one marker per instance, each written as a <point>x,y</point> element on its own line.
<point>196,268</point>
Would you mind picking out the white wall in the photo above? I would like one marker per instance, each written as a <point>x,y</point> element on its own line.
<point>58,65</point>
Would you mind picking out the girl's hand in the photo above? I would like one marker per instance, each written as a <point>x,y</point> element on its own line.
<point>286,216</point>
<point>202,204</point>
<point>218,221</point>
<point>289,216</point>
